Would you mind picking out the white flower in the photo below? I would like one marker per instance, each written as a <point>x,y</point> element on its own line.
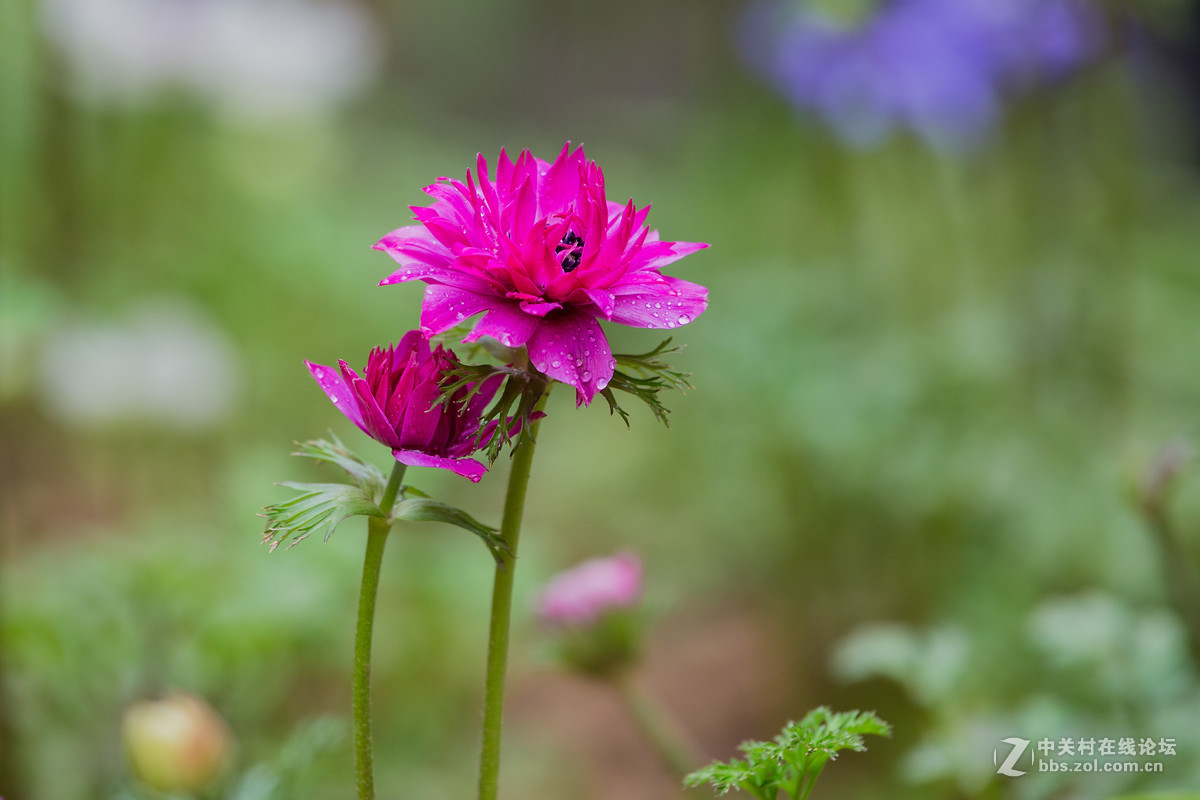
<point>166,364</point>
<point>252,59</point>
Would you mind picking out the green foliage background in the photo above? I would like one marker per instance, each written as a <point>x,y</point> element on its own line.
<point>925,388</point>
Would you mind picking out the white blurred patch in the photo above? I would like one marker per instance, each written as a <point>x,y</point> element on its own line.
<point>252,59</point>
<point>165,364</point>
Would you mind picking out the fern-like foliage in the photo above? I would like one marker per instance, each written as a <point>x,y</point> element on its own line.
<point>645,375</point>
<point>513,411</point>
<point>793,761</point>
<point>324,506</point>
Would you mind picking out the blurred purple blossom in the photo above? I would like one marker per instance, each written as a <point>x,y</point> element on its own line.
<point>936,67</point>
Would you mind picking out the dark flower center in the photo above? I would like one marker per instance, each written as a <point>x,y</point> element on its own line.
<point>570,251</point>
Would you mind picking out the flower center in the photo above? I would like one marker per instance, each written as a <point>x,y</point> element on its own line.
<point>570,251</point>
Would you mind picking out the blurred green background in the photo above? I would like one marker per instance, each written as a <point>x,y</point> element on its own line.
<point>928,388</point>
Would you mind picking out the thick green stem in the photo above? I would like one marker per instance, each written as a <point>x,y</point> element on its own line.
<point>676,753</point>
<point>377,533</point>
<point>502,589</point>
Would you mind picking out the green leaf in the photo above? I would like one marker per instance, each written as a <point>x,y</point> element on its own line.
<point>365,474</point>
<point>513,409</point>
<point>792,762</point>
<point>318,506</point>
<point>645,375</point>
<point>421,509</point>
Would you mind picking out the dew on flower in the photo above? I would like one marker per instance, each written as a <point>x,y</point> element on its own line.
<point>537,228</point>
<point>406,376</point>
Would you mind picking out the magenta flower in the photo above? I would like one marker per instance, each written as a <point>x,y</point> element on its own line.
<point>395,405</point>
<point>582,595</point>
<point>544,255</point>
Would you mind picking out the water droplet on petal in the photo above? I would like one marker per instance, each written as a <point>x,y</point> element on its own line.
<point>556,363</point>
<point>684,319</point>
<point>658,305</point>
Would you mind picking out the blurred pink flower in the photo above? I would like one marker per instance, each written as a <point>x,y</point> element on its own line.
<point>545,255</point>
<point>582,595</point>
<point>394,405</point>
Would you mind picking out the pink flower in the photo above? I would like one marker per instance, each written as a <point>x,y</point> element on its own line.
<point>394,405</point>
<point>582,595</point>
<point>544,255</point>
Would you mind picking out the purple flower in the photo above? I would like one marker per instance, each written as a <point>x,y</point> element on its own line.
<point>937,67</point>
<point>543,255</point>
<point>395,404</point>
<point>582,595</point>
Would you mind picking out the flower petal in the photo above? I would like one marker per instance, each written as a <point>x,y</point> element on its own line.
<point>572,349</point>
<point>657,254</point>
<point>669,304</point>
<point>423,257</point>
<point>469,468</point>
<point>421,418</point>
<point>446,306</point>
<point>331,382</point>
<point>507,323</point>
<point>375,423</point>
<point>539,309</point>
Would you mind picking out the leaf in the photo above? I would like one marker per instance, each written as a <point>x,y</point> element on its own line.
<point>792,762</point>
<point>365,474</point>
<point>645,375</point>
<point>421,509</point>
<point>511,414</point>
<point>319,505</point>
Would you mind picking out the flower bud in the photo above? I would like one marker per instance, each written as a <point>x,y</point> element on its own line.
<point>177,744</point>
<point>395,403</point>
<point>590,608</point>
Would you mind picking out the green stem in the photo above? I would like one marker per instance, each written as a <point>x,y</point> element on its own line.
<point>663,734</point>
<point>1183,586</point>
<point>377,532</point>
<point>502,589</point>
